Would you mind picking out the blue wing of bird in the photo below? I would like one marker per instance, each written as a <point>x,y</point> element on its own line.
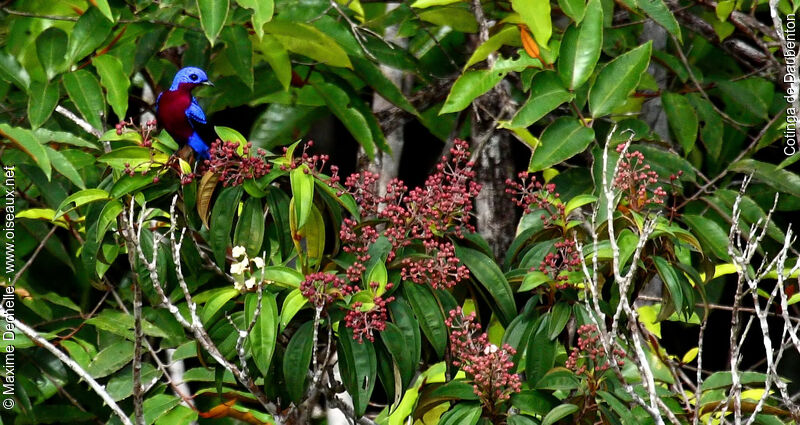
<point>197,118</point>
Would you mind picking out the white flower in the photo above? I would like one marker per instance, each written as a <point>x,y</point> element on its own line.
<point>259,262</point>
<point>250,283</point>
<point>239,268</point>
<point>238,251</point>
<point>238,286</point>
<point>491,348</point>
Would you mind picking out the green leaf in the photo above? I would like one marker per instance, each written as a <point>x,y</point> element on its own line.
<point>264,334</point>
<point>372,75</point>
<point>429,314</point>
<point>88,33</point>
<point>547,93</point>
<point>403,316</point>
<point>111,359</point>
<point>222,215</point>
<point>579,201</point>
<point>422,4</point>
<point>508,35</point>
<point>302,193</point>
<point>561,140</point>
<point>42,102</point>
<point>457,18</point>
<point>618,79</point>
<point>540,355</point>
<point>339,103</point>
<point>216,301</point>
<point>27,142</point>
<point>670,278</point>
<point>462,414</point>
<point>213,14</point>
<point>138,157</point>
<point>558,413</point>
<point>296,361</point>
<point>51,45</point>
<point>751,96</point>
<point>284,276</point>
<point>486,271</point>
<point>291,305</point>
<point>395,341</point>
<point>63,166</point>
<point>710,234</point>
<point>536,15</point>
<point>558,319</point>
<point>277,57</point>
<point>239,51</point>
<point>308,41</point>
<point>359,367</point>
<point>533,280</point>
<point>621,409</point>
<point>781,180</point>
<point>120,386</point>
<point>116,82</point>
<point>104,8</point>
<point>262,13</point>
<point>723,379</point>
<point>13,72</point>
<point>660,13</point>
<point>250,227</point>
<point>85,92</point>
<point>157,406</point>
<point>575,9</point>
<point>682,119</point>
<point>580,48</point>
<point>468,87</point>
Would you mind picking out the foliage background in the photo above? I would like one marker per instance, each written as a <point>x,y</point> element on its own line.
<point>387,87</point>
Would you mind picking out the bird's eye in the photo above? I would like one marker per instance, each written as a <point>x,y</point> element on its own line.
<point>193,77</point>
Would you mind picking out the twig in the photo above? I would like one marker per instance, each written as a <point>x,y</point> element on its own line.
<point>33,256</point>
<point>83,374</point>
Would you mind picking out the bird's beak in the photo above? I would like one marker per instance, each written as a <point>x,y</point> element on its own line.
<point>208,83</point>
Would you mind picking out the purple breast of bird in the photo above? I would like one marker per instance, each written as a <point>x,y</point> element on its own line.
<point>180,114</point>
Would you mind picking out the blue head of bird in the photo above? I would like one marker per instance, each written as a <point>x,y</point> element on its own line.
<point>189,77</point>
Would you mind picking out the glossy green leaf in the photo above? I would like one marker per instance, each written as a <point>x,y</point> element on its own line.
<point>138,157</point>
<point>575,9</point>
<point>558,413</point>
<point>308,41</point>
<point>220,297</point>
<point>111,359</point>
<point>670,278</point>
<point>85,92</point>
<point>13,72</point>
<point>468,87</point>
<point>87,35</point>
<point>51,46</point>
<point>457,18</point>
<point>374,76</point>
<point>297,359</point>
<point>249,231</point>
<point>397,346</point>
<point>617,80</point>
<point>27,142</point>
<point>781,180</point>
<point>509,35</point>
<point>277,57</point>
<point>659,12</point>
<point>264,334</point>
<point>486,271</point>
<point>213,14</point>
<point>291,305</point>
<point>751,96</point>
<point>536,15</point>
<point>262,13</point>
<point>339,103</point>
<point>559,316</point>
<point>302,193</point>
<point>225,208</point>
<point>580,48</point>
<point>116,82</point>
<point>42,102</point>
<point>64,167</point>
<point>710,234</point>
<point>561,140</point>
<point>359,368</point>
<point>429,315</point>
<point>547,93</point>
<point>540,354</point>
<point>421,4</point>
<point>682,119</point>
<point>239,51</point>
<point>462,414</point>
<point>403,317</point>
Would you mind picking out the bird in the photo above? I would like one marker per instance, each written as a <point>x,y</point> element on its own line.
<point>180,114</point>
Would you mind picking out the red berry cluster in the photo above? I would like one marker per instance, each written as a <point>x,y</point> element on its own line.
<point>533,194</point>
<point>144,131</point>
<point>565,259</point>
<point>635,178</point>
<point>321,289</point>
<point>364,322</point>
<point>592,352</point>
<point>486,364</point>
<point>234,168</point>
<point>315,163</point>
<point>426,214</point>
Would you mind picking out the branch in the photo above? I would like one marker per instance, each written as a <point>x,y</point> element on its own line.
<point>83,374</point>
